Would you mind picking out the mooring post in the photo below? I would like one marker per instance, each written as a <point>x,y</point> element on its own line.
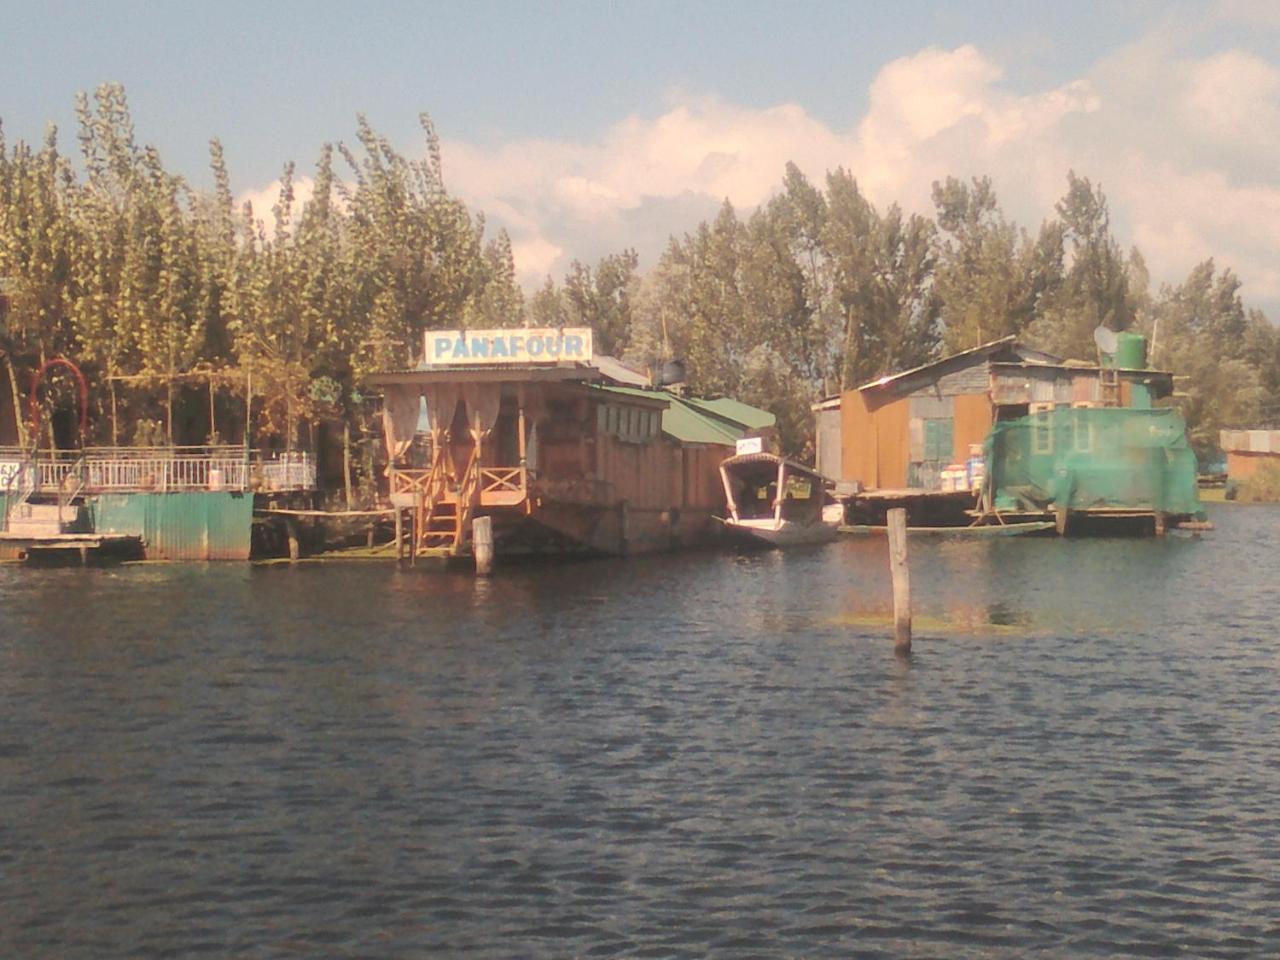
<point>1060,520</point>
<point>482,545</point>
<point>291,531</point>
<point>399,535</point>
<point>901,580</point>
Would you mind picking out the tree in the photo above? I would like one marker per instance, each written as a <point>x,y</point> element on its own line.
<point>601,299</point>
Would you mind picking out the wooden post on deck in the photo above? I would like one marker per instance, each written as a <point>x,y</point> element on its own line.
<point>901,580</point>
<point>482,545</point>
<point>399,534</point>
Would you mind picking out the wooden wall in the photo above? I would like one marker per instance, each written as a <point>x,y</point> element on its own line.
<point>875,445</point>
<point>973,413</point>
<point>1243,464</point>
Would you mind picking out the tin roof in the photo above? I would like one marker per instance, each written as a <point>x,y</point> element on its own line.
<point>722,421</point>
<point>1008,344</point>
<point>753,418</point>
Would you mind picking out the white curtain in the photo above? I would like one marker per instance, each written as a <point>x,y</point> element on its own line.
<point>400,408</point>
<point>442,401</point>
<point>484,400</point>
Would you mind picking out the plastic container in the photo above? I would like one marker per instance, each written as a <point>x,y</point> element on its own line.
<point>1131,351</point>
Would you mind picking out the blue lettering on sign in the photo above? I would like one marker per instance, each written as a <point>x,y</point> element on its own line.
<point>554,346</point>
<point>460,348</point>
<point>500,347</point>
<point>517,344</point>
<point>572,346</point>
<point>536,345</point>
<point>479,347</point>
<point>442,346</point>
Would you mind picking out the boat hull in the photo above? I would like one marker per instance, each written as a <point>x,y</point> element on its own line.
<point>768,533</point>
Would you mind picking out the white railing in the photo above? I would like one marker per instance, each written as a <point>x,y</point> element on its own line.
<point>124,469</point>
<point>291,471</point>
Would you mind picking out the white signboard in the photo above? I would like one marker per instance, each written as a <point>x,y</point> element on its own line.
<point>519,345</point>
<point>751,445</point>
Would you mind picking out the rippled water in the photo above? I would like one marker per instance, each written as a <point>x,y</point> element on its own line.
<point>700,755</point>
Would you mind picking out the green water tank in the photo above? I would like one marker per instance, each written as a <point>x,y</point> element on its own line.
<point>1131,351</point>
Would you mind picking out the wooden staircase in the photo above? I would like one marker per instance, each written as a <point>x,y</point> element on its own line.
<point>445,506</point>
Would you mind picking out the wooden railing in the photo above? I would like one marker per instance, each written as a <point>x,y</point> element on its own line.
<point>503,480</point>
<point>497,486</point>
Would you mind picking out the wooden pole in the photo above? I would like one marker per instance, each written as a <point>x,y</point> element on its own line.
<point>346,460</point>
<point>291,531</point>
<point>399,534</point>
<point>901,580</point>
<point>482,545</point>
<point>1060,520</point>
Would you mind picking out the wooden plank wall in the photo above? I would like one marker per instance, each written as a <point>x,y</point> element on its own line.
<point>1242,464</point>
<point>857,440</point>
<point>662,473</point>
<point>972,423</point>
<point>893,443</point>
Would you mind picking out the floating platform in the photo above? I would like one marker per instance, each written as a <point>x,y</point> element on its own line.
<point>87,545</point>
<point>1029,528</point>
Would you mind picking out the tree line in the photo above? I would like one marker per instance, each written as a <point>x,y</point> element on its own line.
<point>186,310</point>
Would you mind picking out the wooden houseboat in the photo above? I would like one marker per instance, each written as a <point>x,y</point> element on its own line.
<point>565,450</point>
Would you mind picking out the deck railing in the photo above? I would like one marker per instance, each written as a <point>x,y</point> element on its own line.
<point>132,469</point>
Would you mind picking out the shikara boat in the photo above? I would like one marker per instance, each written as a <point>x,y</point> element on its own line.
<point>774,502</point>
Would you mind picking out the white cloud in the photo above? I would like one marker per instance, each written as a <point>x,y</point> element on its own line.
<point>1183,146</point>
<point>265,199</point>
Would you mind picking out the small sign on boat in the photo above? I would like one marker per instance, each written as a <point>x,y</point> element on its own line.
<point>751,445</point>
<point>519,345</point>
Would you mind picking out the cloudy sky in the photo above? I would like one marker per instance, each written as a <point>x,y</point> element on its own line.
<point>587,127</point>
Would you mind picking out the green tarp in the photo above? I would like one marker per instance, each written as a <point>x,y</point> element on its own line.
<point>1085,458</point>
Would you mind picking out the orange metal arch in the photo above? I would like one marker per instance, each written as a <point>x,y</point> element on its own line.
<point>33,402</point>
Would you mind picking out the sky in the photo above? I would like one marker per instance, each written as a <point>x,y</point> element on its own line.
<point>587,128</point>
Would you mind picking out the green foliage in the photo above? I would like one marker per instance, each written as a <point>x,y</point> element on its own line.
<point>152,287</point>
<point>161,292</point>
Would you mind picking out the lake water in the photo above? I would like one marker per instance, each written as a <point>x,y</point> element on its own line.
<point>700,755</point>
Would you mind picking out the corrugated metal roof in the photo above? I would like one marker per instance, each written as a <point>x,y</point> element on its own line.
<point>688,420</point>
<point>985,349</point>
<point>753,418</point>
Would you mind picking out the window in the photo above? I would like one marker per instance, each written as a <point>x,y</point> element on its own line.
<point>1042,432</point>
<point>938,442</point>
<point>1082,428</point>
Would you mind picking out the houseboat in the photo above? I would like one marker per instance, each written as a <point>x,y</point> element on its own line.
<point>565,450</point>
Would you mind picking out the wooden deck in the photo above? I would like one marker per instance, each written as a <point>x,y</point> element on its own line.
<point>85,544</point>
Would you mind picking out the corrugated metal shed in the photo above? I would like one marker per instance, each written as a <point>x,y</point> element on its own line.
<point>180,526</point>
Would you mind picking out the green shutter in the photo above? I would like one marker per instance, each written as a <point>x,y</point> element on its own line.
<point>938,440</point>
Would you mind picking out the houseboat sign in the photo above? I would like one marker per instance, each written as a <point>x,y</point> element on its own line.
<point>521,345</point>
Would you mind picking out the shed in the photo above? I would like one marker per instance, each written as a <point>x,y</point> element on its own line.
<point>902,431</point>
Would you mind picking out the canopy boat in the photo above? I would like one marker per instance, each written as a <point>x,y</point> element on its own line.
<point>773,501</point>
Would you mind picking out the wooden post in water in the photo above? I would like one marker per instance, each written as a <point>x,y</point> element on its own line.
<point>399,534</point>
<point>291,531</point>
<point>482,545</point>
<point>901,580</point>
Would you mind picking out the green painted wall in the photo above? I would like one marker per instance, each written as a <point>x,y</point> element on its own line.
<point>180,526</point>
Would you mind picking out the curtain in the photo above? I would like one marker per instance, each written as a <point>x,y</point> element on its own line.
<point>399,419</point>
<point>484,400</point>
<point>442,401</point>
